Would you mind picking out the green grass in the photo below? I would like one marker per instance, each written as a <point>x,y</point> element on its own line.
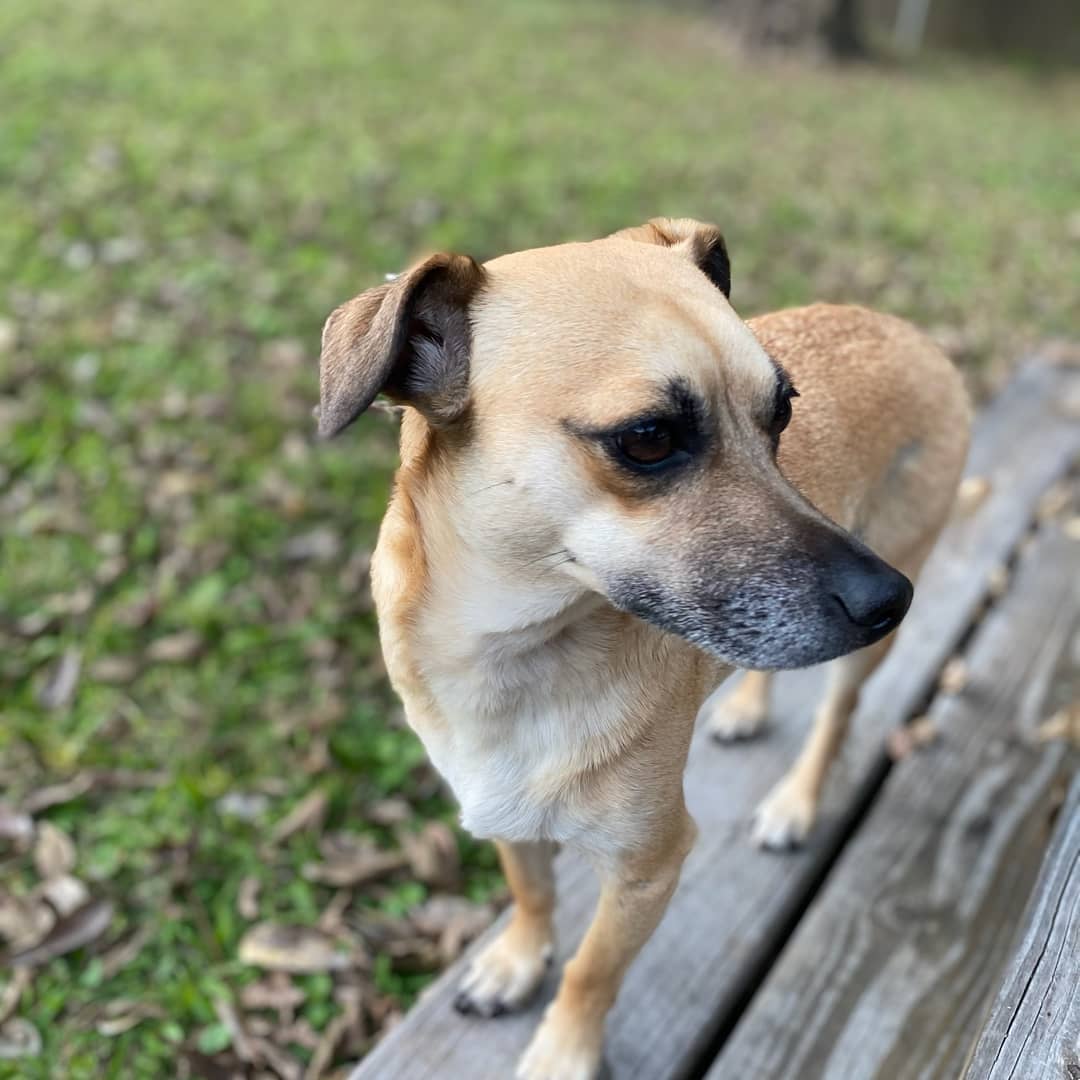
<point>185,192</point>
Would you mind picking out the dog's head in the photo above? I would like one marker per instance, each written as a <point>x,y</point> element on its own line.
<point>606,422</point>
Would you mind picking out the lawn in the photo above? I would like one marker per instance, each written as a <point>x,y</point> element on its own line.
<point>193,709</point>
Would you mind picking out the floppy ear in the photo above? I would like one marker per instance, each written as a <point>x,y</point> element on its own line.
<point>703,245</point>
<point>408,339</point>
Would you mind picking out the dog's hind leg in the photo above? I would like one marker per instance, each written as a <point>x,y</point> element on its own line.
<point>635,890</point>
<point>742,714</point>
<point>506,973</point>
<point>786,815</point>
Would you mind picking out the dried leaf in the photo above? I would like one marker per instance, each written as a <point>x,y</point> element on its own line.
<point>176,483</point>
<point>228,1017</point>
<point>123,1014</point>
<point>59,689</point>
<point>247,898</point>
<point>175,648</point>
<point>282,1064</point>
<point>335,1031</point>
<point>278,992</point>
<point>20,980</point>
<point>997,582</point>
<point>433,854</point>
<point>223,1066</point>
<point>331,921</point>
<point>110,569</point>
<point>413,955</point>
<point>1064,725</point>
<point>19,1039</point>
<point>389,812</point>
<point>1054,502</point>
<point>120,955</point>
<point>352,860</point>
<point>904,741</point>
<point>16,827</point>
<point>36,623</point>
<point>317,759</point>
<point>971,494</point>
<point>299,1032</point>
<point>54,851</point>
<point>300,950</point>
<point>57,794</point>
<point>114,669</point>
<point>81,927</point>
<point>308,813</point>
<point>64,894</point>
<point>954,676</point>
<point>24,921</point>
<point>137,612</point>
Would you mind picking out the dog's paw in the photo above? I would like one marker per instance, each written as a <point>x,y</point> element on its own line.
<point>785,817</point>
<point>504,976</point>
<point>733,719</point>
<point>561,1050</point>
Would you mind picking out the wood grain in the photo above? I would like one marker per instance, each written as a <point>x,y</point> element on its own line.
<point>735,904</point>
<point>1033,1032</point>
<point>893,965</point>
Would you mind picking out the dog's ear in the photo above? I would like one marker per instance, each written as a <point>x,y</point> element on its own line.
<point>409,339</point>
<point>703,245</point>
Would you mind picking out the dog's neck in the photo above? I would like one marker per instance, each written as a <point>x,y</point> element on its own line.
<point>519,682</point>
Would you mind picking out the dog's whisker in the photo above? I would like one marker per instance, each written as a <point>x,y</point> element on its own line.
<point>549,555</point>
<point>488,487</point>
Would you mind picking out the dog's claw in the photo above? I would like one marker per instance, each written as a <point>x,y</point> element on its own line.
<point>467,1006</point>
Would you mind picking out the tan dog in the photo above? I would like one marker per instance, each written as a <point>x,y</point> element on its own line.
<point>591,528</point>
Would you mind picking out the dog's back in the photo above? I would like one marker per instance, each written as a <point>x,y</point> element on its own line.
<point>880,434</point>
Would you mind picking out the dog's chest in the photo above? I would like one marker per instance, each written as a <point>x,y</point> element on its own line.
<point>521,720</point>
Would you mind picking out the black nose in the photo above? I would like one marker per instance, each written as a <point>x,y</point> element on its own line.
<point>872,594</point>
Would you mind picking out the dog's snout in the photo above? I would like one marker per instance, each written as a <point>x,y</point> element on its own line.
<point>872,594</point>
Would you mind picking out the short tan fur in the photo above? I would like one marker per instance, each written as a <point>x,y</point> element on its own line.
<point>592,526</point>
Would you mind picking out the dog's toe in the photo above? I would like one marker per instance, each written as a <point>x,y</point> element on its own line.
<point>503,977</point>
<point>732,721</point>
<point>784,819</point>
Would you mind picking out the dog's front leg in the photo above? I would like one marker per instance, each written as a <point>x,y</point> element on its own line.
<point>505,974</point>
<point>635,890</point>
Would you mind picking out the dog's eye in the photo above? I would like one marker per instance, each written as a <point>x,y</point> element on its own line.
<point>649,443</point>
<point>782,412</point>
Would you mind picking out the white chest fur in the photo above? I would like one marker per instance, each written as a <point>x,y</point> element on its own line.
<point>527,712</point>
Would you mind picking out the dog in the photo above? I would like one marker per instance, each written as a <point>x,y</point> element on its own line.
<point>612,493</point>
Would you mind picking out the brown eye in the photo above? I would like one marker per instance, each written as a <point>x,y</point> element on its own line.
<point>651,442</point>
<point>782,413</point>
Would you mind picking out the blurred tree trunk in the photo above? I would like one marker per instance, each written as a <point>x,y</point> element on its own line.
<point>830,26</point>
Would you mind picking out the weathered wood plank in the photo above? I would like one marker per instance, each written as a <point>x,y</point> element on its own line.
<point>734,903</point>
<point>892,966</point>
<point>1033,1032</point>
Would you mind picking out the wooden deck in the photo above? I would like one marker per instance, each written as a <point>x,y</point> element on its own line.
<point>1034,1029</point>
<point>878,950</point>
